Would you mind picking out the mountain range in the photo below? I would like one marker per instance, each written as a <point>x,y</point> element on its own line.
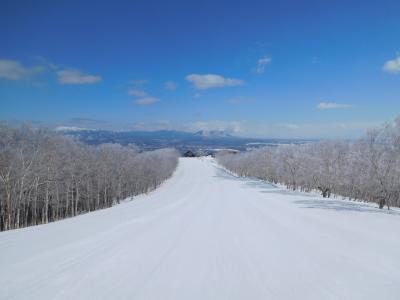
<point>149,140</point>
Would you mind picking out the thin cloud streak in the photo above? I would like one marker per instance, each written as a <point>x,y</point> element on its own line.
<point>15,70</point>
<point>146,101</point>
<point>333,105</point>
<point>207,81</point>
<point>76,77</point>
<point>262,63</point>
<point>137,93</point>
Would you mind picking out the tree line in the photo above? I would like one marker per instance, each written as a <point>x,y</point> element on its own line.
<point>367,169</point>
<point>45,176</point>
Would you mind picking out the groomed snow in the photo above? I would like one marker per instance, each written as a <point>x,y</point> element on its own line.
<point>205,234</point>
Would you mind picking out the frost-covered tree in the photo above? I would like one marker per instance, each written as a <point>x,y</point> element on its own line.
<point>367,169</point>
<point>45,177</point>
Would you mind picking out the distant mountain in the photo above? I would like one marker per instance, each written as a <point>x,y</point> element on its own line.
<point>213,134</point>
<point>149,140</point>
<point>69,128</point>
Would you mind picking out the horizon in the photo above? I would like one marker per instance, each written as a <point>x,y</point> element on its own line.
<point>226,132</point>
<point>255,69</point>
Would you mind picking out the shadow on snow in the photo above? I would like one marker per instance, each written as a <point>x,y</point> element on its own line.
<point>343,205</point>
<point>313,203</point>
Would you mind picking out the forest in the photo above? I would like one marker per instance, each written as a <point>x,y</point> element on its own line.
<point>367,169</point>
<point>45,176</point>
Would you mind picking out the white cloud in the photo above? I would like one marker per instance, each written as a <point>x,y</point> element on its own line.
<point>14,70</point>
<point>333,105</point>
<point>137,93</point>
<point>66,75</point>
<point>392,66</point>
<point>76,77</point>
<point>146,101</point>
<point>207,81</point>
<point>170,85</point>
<point>262,63</point>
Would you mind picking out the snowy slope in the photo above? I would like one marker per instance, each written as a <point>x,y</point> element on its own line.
<point>208,235</point>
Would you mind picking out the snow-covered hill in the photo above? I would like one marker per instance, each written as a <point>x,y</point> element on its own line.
<point>205,234</point>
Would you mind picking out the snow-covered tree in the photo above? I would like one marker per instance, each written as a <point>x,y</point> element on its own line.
<point>45,177</point>
<point>367,169</point>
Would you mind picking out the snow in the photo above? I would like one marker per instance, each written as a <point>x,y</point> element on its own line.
<point>205,234</point>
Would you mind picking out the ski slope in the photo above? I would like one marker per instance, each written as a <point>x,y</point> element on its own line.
<point>205,234</point>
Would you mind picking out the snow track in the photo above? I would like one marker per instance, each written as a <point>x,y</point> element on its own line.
<point>205,234</point>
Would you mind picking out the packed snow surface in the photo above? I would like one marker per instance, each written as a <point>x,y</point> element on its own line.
<point>205,234</point>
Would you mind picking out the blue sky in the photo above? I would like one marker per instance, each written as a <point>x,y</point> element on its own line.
<point>256,68</point>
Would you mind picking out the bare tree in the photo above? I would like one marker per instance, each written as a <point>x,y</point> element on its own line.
<point>367,169</point>
<point>45,177</point>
